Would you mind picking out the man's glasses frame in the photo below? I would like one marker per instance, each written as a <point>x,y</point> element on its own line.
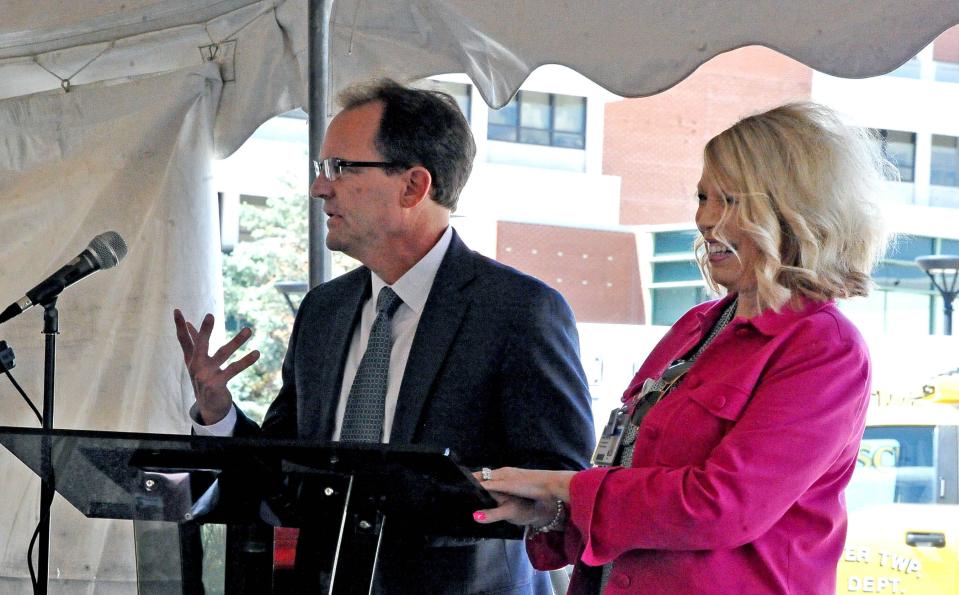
<point>332,167</point>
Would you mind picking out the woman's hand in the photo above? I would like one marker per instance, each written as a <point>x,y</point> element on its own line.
<point>518,511</point>
<point>525,496</point>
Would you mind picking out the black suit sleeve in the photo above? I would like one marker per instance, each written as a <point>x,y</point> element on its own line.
<point>545,401</point>
<point>280,420</point>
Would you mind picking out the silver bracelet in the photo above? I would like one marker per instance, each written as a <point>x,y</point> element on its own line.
<point>557,522</point>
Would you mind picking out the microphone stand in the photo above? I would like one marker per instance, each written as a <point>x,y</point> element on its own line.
<point>50,330</point>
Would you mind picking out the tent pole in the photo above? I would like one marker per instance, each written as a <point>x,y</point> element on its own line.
<point>320,26</point>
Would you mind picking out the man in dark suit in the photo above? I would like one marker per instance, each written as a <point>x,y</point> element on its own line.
<point>429,343</point>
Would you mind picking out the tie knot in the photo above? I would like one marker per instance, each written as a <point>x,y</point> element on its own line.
<point>387,302</point>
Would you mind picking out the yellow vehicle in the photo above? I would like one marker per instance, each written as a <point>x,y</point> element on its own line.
<point>944,388</point>
<point>903,504</point>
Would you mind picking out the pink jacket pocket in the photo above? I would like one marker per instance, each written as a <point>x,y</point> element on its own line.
<point>695,419</point>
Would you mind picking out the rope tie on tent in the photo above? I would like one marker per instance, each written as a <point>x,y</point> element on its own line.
<point>223,54</point>
<point>222,50</point>
<point>65,81</point>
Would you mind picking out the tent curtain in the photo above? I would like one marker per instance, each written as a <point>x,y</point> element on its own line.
<point>72,165</point>
<point>260,47</point>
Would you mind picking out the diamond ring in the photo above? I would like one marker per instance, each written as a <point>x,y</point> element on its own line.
<point>487,473</point>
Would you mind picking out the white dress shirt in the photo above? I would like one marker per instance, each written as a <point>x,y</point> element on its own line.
<point>413,288</point>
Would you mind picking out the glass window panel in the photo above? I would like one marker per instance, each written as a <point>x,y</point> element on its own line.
<point>506,115</point>
<point>949,247</point>
<point>534,110</point>
<point>669,303</point>
<point>541,119</point>
<point>497,132</point>
<point>945,161</point>
<point>901,276</point>
<point>673,242</point>
<point>947,72</point>
<point>683,270</point>
<point>568,139</point>
<point>910,247</point>
<point>895,464</point>
<point>901,150</point>
<point>908,70</point>
<point>570,113</point>
<point>533,136</point>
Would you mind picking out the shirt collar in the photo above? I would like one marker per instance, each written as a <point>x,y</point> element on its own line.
<point>707,317</point>
<point>769,322</point>
<point>772,323</point>
<point>415,284</point>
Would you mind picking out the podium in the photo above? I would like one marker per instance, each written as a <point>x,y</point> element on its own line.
<point>347,494</point>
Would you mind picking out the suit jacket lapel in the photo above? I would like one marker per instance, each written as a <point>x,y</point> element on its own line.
<point>438,326</point>
<point>343,317</point>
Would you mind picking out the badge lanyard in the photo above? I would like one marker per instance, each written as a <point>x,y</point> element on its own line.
<point>610,442</point>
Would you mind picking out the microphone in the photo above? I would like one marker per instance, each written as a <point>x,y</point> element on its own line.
<point>104,251</point>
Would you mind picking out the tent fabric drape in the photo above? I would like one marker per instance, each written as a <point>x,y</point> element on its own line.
<point>260,47</point>
<point>631,47</point>
<point>73,165</point>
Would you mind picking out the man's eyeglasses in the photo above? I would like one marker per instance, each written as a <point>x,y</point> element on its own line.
<point>332,167</point>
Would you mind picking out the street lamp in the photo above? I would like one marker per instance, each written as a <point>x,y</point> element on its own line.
<point>290,287</point>
<point>943,269</point>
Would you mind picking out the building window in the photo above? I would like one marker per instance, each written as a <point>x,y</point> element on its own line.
<point>908,248</point>
<point>900,276</point>
<point>947,72</point>
<point>945,160</point>
<point>674,242</point>
<point>898,271</point>
<point>909,70</point>
<point>676,270</point>
<point>900,149</point>
<point>904,296</point>
<point>669,303</point>
<point>541,119</point>
<point>677,284</point>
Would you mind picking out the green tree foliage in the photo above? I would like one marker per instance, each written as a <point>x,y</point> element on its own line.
<point>275,250</point>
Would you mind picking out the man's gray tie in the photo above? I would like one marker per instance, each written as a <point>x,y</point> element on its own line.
<point>363,420</point>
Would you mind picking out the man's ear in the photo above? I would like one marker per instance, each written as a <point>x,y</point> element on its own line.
<point>419,183</point>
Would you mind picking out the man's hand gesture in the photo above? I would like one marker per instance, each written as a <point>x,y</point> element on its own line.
<point>207,373</point>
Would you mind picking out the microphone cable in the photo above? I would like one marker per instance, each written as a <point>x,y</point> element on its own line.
<point>6,364</point>
<point>25,397</point>
<point>33,542</point>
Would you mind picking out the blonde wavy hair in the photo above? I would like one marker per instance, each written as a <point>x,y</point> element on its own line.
<point>807,189</point>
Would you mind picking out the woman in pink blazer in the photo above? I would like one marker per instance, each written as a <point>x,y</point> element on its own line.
<point>724,470</point>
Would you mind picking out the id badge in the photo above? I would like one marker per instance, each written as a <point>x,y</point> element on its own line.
<point>610,442</point>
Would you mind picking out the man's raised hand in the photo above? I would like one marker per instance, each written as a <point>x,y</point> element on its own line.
<point>207,372</point>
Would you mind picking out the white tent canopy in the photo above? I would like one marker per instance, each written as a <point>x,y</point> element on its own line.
<point>631,47</point>
<point>111,111</point>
